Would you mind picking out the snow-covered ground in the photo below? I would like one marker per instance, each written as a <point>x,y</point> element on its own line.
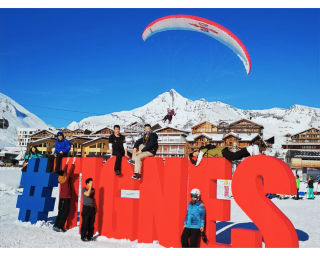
<point>304,214</point>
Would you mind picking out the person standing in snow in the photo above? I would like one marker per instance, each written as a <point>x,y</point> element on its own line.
<point>212,151</point>
<point>298,186</point>
<point>64,197</point>
<point>118,148</point>
<point>194,221</point>
<point>146,146</point>
<point>310,186</point>
<point>88,211</point>
<point>62,148</point>
<point>33,153</point>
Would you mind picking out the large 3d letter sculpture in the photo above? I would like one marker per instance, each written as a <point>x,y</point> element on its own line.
<point>275,227</point>
<point>164,191</point>
<point>36,201</point>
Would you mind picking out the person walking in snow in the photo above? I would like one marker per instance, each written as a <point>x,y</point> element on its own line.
<point>211,151</point>
<point>88,211</point>
<point>146,146</point>
<point>298,186</point>
<point>194,221</point>
<point>33,153</point>
<point>118,148</point>
<point>64,197</point>
<point>310,190</point>
<point>62,148</point>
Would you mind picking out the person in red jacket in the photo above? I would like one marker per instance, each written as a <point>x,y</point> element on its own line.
<point>64,197</point>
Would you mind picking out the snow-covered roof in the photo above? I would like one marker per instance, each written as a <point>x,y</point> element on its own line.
<point>100,138</point>
<point>305,131</point>
<point>170,127</point>
<point>42,139</point>
<point>212,136</point>
<point>302,144</point>
<point>245,120</point>
<point>42,131</point>
<point>219,136</point>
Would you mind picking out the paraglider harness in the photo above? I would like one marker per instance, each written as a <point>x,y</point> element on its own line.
<point>169,116</point>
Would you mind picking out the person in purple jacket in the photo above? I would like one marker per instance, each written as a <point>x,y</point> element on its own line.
<point>62,148</point>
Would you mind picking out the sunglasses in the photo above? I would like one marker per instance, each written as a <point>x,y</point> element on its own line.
<point>194,195</point>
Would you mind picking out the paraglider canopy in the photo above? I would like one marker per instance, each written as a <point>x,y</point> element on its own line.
<point>198,24</point>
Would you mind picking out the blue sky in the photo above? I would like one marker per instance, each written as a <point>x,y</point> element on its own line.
<point>94,60</point>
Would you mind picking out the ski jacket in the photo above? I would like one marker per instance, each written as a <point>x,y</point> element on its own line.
<point>310,183</point>
<point>65,188</point>
<point>151,143</point>
<point>63,145</point>
<point>33,155</point>
<point>195,217</point>
<point>298,182</point>
<point>215,152</point>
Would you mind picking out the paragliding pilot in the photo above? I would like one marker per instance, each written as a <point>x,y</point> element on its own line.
<point>170,113</point>
<point>211,150</point>
<point>146,146</point>
<point>194,221</point>
<point>62,147</point>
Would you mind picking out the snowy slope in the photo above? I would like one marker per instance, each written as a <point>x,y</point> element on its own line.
<point>276,121</point>
<point>18,117</point>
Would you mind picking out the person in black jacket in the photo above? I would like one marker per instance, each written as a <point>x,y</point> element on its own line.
<point>146,146</point>
<point>118,148</point>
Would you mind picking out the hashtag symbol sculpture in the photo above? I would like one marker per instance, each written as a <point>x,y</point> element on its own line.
<point>36,200</point>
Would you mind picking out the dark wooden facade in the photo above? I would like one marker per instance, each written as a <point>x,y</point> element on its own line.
<point>204,127</point>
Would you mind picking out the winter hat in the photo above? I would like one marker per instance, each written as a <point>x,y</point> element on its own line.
<point>311,177</point>
<point>60,133</point>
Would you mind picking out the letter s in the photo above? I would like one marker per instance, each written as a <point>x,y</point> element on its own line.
<point>250,194</point>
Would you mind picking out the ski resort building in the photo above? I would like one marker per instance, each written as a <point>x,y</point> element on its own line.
<point>171,141</point>
<point>305,140</point>
<point>24,135</point>
<point>239,134</point>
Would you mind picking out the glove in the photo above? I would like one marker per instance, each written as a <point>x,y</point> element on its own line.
<point>204,237</point>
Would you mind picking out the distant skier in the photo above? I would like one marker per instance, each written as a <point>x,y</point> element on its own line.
<point>170,114</point>
<point>310,186</point>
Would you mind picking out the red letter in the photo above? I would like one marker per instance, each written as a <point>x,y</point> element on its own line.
<point>250,195</point>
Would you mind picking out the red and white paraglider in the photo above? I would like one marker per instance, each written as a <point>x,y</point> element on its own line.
<point>208,27</point>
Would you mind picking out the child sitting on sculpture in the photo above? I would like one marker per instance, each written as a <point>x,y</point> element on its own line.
<point>212,151</point>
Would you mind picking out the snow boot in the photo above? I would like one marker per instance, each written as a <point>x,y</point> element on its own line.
<point>84,240</point>
<point>117,172</point>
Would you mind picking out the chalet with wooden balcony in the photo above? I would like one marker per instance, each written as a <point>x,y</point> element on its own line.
<point>306,140</point>
<point>204,127</point>
<point>42,134</point>
<point>245,126</point>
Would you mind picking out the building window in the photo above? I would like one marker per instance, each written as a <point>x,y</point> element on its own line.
<point>92,153</point>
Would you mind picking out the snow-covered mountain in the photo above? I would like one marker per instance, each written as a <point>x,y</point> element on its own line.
<point>276,121</point>
<point>18,117</point>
